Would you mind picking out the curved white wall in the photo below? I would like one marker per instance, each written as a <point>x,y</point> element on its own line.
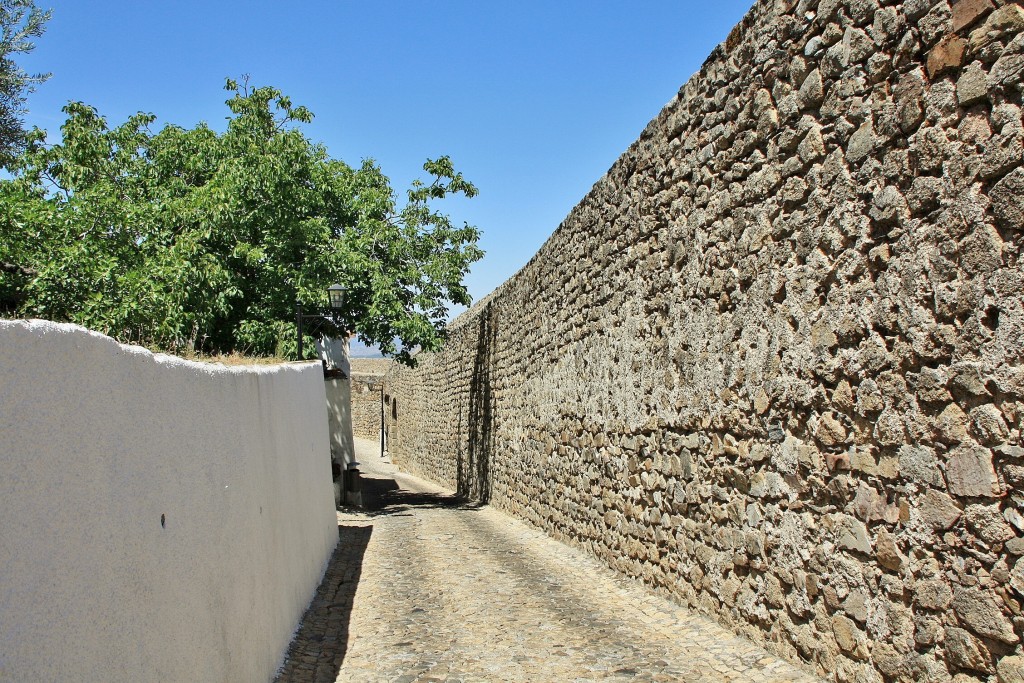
<point>99,442</point>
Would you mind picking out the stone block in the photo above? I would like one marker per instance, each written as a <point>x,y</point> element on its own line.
<point>837,461</point>
<point>982,251</point>
<point>967,652</point>
<point>888,206</point>
<point>852,534</point>
<point>972,86</point>
<point>889,429</point>
<point>887,553</point>
<point>1011,669</point>
<point>967,12</point>
<point>929,148</point>
<point>980,611</point>
<point>927,630</point>
<point>951,424</point>
<point>1008,200</point>
<point>919,463</point>
<point>812,147</point>
<point>1014,517</point>
<point>849,638</point>
<point>936,24</point>
<point>987,523</point>
<point>1008,71</point>
<point>908,95</point>
<point>933,594</point>
<point>869,396</point>
<point>1006,20</point>
<point>968,379</point>
<point>871,506</point>
<point>915,9</point>
<point>938,510</point>
<point>862,143</point>
<point>1016,578</point>
<point>855,605</point>
<point>947,55</point>
<point>861,459</point>
<point>830,431</point>
<point>842,396</point>
<point>969,472</point>
<point>761,401</point>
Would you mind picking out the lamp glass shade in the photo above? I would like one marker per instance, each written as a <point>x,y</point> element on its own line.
<point>337,294</point>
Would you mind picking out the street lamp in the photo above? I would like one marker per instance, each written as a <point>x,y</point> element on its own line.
<point>336,296</point>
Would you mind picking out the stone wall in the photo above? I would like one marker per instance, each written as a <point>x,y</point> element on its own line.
<point>771,363</point>
<point>367,382</point>
<point>162,520</point>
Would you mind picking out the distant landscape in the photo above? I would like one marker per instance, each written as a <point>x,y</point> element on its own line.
<point>358,349</point>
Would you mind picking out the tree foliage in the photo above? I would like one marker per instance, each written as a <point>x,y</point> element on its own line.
<point>199,239</point>
<point>20,22</point>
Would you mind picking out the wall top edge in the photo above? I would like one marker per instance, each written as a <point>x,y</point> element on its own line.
<point>47,328</point>
<point>759,9</point>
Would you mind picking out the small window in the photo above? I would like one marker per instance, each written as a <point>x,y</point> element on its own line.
<point>394,409</point>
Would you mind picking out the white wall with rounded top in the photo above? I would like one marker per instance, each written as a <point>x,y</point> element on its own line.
<point>160,520</point>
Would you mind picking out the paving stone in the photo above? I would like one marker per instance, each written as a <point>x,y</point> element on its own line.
<point>425,587</point>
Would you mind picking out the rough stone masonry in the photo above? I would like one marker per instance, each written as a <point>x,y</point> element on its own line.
<point>367,379</point>
<point>771,363</point>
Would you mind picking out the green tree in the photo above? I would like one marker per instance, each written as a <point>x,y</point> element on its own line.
<point>193,238</point>
<point>20,21</point>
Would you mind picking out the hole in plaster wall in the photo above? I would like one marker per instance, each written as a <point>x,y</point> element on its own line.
<point>163,521</point>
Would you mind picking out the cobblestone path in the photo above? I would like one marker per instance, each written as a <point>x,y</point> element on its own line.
<point>426,588</point>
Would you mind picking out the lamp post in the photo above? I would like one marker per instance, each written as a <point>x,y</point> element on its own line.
<point>336,296</point>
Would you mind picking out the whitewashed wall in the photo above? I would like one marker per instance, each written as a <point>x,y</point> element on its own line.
<point>339,417</point>
<point>160,520</point>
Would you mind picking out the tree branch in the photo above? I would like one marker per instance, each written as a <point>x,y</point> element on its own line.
<point>15,269</point>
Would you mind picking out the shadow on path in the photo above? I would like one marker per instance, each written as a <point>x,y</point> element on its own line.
<point>383,496</point>
<point>319,646</point>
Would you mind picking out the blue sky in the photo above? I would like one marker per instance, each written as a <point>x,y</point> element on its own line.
<point>532,100</point>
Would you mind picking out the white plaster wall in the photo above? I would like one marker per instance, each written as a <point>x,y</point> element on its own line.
<point>339,413</point>
<point>334,352</point>
<point>97,442</point>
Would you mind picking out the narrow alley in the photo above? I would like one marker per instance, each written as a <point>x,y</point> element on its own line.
<point>426,587</point>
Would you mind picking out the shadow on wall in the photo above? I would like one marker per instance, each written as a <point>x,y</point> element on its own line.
<point>320,644</point>
<point>474,464</point>
<point>339,418</point>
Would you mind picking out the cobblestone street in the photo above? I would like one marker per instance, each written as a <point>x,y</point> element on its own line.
<point>424,587</point>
